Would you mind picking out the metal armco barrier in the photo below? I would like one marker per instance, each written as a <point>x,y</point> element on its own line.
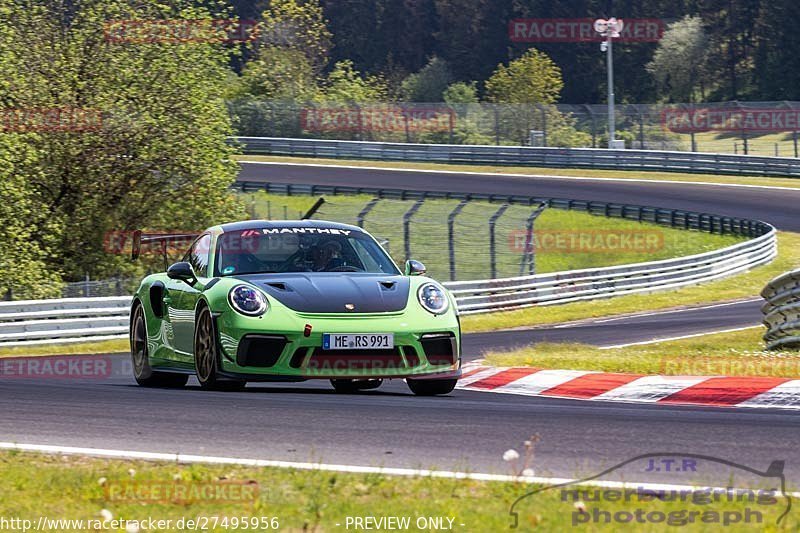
<point>63,320</point>
<point>782,311</point>
<point>696,162</point>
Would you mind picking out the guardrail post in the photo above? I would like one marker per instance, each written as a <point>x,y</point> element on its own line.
<point>406,223</point>
<point>451,218</point>
<point>364,212</point>
<point>492,246</point>
<point>529,250</point>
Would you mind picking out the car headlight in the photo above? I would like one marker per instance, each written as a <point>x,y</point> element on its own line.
<point>248,300</point>
<point>433,298</point>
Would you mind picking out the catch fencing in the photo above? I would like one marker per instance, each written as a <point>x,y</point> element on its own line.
<point>782,311</point>
<point>746,128</point>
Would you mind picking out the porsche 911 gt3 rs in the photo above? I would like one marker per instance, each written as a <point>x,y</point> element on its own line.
<point>291,301</point>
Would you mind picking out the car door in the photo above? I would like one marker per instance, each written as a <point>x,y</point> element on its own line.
<point>183,298</point>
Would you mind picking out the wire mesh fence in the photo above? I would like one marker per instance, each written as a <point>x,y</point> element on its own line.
<point>749,128</point>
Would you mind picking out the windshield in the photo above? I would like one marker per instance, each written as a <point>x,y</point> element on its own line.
<point>279,250</point>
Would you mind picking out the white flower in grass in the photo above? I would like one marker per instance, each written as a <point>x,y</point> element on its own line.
<point>131,472</point>
<point>132,527</point>
<point>106,515</point>
<point>510,455</point>
<point>176,477</point>
<point>102,481</point>
<point>528,472</point>
<point>579,506</point>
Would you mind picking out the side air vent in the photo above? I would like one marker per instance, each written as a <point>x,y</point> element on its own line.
<point>260,350</point>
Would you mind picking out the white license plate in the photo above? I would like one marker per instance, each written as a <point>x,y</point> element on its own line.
<point>357,341</point>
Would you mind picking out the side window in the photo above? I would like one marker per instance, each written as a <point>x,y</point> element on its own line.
<point>198,255</point>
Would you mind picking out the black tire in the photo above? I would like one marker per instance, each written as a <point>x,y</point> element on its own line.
<point>431,387</point>
<point>350,386</point>
<point>206,356</point>
<point>144,375</point>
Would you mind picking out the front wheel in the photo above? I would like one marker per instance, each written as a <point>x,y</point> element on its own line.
<point>431,387</point>
<point>206,356</point>
<point>144,375</point>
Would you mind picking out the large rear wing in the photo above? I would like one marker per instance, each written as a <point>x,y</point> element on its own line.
<point>164,239</point>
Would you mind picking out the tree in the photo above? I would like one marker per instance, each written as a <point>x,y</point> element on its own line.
<point>299,26</point>
<point>147,149</point>
<point>429,84</point>
<point>461,93</point>
<point>278,73</point>
<point>678,65</point>
<point>532,79</point>
<point>345,84</point>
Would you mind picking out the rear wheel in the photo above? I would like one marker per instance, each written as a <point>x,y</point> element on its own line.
<point>206,356</point>
<point>142,372</point>
<point>349,386</point>
<point>431,387</point>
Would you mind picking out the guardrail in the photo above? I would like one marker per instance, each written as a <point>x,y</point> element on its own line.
<point>63,320</point>
<point>91,319</point>
<point>696,162</point>
<point>782,311</point>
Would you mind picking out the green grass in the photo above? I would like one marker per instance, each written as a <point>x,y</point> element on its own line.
<point>738,353</point>
<point>64,487</point>
<point>616,174</point>
<point>112,346</point>
<point>429,234</point>
<point>744,285</point>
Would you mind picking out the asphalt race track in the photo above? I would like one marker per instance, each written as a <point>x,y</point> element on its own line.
<point>466,430</point>
<point>389,427</point>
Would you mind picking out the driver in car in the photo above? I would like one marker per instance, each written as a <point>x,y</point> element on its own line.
<point>327,256</point>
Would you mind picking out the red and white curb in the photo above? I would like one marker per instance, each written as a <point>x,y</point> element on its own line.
<point>717,391</point>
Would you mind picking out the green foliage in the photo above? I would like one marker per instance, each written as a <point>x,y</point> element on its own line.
<point>679,62</point>
<point>532,79</point>
<point>25,229</point>
<point>298,26</point>
<point>461,93</point>
<point>346,84</point>
<point>429,84</point>
<point>158,158</point>
<point>278,73</point>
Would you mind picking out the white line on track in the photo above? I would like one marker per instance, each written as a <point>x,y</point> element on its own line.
<point>205,459</point>
<point>671,311</point>
<point>667,339</point>
<point>515,175</point>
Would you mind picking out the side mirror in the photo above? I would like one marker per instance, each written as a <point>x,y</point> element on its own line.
<point>415,268</point>
<point>182,271</point>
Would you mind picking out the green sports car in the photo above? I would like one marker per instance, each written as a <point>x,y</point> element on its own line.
<point>290,301</point>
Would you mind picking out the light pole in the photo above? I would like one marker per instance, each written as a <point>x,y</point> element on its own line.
<point>609,29</point>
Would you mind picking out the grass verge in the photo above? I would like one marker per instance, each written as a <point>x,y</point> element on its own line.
<point>112,346</point>
<point>738,353</point>
<point>744,285</point>
<point>74,488</point>
<point>791,183</point>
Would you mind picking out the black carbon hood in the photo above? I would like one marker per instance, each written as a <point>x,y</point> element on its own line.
<point>326,292</point>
